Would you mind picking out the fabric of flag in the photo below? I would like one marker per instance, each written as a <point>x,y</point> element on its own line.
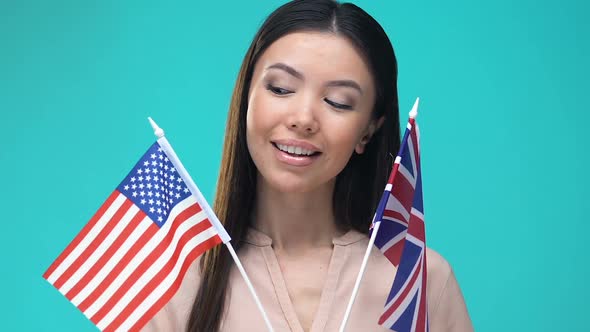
<point>401,237</point>
<point>131,257</point>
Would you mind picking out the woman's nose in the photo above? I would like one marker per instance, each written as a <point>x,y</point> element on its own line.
<point>303,120</point>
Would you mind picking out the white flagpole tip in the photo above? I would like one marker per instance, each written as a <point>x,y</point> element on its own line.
<point>157,130</point>
<point>414,111</point>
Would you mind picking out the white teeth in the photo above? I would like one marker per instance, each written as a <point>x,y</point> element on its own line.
<point>294,150</point>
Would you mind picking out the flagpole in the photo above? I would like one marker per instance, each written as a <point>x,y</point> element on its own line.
<point>250,287</point>
<point>209,211</point>
<point>413,114</point>
<point>360,276</point>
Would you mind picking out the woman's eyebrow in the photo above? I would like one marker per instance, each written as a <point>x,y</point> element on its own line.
<point>338,83</point>
<point>290,70</point>
<point>346,83</point>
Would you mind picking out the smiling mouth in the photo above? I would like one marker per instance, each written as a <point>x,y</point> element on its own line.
<point>295,151</point>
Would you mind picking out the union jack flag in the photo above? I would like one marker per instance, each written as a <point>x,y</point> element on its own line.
<point>401,238</point>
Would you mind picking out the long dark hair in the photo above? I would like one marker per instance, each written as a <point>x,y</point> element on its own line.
<point>359,185</point>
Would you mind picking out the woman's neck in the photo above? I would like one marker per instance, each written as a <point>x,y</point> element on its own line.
<point>296,221</point>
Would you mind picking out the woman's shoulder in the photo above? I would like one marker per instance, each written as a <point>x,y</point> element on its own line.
<point>438,269</point>
<point>446,305</point>
<point>435,262</point>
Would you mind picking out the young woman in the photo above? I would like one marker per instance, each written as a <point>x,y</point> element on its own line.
<point>312,124</point>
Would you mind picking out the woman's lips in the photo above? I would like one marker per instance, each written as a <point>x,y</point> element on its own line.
<point>294,160</point>
<point>297,143</point>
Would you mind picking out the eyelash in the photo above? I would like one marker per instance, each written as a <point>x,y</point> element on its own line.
<point>337,105</point>
<point>281,92</point>
<point>277,90</point>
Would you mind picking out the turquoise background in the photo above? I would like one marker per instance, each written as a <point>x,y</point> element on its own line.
<point>504,89</point>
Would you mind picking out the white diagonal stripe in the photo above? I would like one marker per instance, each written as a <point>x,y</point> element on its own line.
<point>167,282</point>
<point>417,213</point>
<point>394,204</point>
<point>151,271</point>
<point>140,257</point>
<point>395,220</point>
<point>417,308</point>
<point>108,214</point>
<point>397,313</point>
<point>110,264</point>
<point>415,241</point>
<point>99,251</point>
<point>404,286</point>
<point>404,171</point>
<point>393,241</point>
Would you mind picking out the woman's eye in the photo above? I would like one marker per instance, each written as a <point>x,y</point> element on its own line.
<point>337,105</point>
<point>277,90</point>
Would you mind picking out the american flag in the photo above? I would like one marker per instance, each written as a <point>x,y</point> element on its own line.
<point>401,238</point>
<point>131,257</point>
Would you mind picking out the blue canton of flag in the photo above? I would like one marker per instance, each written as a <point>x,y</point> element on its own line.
<point>154,185</point>
<point>401,237</point>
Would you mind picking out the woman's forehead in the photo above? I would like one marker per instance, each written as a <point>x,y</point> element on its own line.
<point>317,55</point>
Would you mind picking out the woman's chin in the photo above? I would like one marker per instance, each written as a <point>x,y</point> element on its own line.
<point>296,185</point>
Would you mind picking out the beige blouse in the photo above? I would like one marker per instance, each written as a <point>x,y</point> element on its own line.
<point>446,307</point>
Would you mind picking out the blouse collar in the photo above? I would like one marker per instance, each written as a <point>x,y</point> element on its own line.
<point>259,239</point>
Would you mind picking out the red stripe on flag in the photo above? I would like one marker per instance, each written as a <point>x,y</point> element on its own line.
<point>421,321</point>
<point>94,244</point>
<point>160,276</point>
<point>82,234</point>
<point>416,228</point>
<point>158,305</point>
<point>392,214</point>
<point>402,296</point>
<point>403,190</point>
<point>393,173</point>
<point>108,280</point>
<point>414,137</point>
<point>144,265</point>
<point>106,256</point>
<point>394,253</point>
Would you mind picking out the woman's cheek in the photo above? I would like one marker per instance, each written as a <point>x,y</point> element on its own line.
<point>346,131</point>
<point>262,111</point>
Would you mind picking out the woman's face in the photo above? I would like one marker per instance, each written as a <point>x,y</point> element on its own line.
<point>309,108</point>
